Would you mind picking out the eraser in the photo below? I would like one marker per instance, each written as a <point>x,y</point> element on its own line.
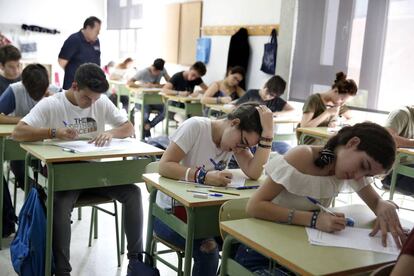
<point>350,222</point>
<point>200,195</point>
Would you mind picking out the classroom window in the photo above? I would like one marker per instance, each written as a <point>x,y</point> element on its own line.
<point>369,40</point>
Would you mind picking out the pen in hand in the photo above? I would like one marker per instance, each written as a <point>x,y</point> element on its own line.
<point>317,203</point>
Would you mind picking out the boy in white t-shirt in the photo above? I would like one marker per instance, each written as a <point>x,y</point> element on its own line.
<point>81,111</point>
<point>200,150</point>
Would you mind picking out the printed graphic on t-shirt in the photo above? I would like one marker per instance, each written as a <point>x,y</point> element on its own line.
<point>218,166</point>
<point>84,125</point>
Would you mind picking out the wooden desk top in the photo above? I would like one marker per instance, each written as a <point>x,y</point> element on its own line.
<point>180,99</point>
<point>178,190</point>
<point>317,131</point>
<point>289,246</point>
<point>225,108</point>
<point>54,154</point>
<point>6,129</point>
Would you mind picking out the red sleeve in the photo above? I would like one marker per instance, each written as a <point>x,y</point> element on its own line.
<point>408,247</point>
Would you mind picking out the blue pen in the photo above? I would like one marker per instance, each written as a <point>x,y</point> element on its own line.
<point>65,124</point>
<point>349,221</point>
<point>215,195</point>
<point>247,187</point>
<point>317,203</point>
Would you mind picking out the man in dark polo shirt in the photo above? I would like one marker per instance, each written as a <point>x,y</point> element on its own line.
<point>79,48</point>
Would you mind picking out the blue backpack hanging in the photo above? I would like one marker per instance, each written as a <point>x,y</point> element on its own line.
<point>269,54</point>
<point>27,250</point>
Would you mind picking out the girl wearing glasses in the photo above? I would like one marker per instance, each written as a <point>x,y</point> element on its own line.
<point>199,152</point>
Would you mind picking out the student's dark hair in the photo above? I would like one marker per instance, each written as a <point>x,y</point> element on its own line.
<point>249,117</point>
<point>237,70</point>
<point>375,140</point>
<point>91,76</point>
<point>36,80</point>
<point>159,64</point>
<point>90,21</point>
<point>344,86</point>
<point>9,53</point>
<point>199,67</point>
<point>276,86</point>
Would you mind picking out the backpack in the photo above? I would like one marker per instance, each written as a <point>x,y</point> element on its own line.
<point>28,248</point>
<point>9,216</point>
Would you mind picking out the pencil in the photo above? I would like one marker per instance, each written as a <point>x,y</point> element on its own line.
<point>222,192</point>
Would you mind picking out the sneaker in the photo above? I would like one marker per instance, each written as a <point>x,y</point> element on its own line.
<point>138,268</point>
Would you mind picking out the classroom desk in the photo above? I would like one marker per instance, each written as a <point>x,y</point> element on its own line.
<point>192,106</point>
<point>220,109</point>
<point>64,173</point>
<point>320,133</point>
<point>202,214</point>
<point>9,150</point>
<point>145,96</point>
<point>122,89</point>
<point>285,120</point>
<point>288,245</point>
<point>400,167</point>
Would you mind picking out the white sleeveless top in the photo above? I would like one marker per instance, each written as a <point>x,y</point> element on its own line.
<point>299,185</point>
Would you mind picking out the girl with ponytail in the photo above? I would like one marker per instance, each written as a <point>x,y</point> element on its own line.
<point>347,162</point>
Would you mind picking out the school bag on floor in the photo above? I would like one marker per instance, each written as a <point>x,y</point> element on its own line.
<point>27,250</point>
<point>9,217</point>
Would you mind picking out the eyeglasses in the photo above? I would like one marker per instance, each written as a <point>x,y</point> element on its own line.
<point>242,144</point>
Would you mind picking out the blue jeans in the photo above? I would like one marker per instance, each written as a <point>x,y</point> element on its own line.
<point>205,263</point>
<point>146,113</point>
<point>251,259</point>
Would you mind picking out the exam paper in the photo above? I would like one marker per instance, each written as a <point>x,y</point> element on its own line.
<point>352,237</point>
<point>237,181</point>
<point>83,146</point>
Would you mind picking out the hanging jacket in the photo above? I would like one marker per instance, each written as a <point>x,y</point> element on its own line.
<point>239,51</point>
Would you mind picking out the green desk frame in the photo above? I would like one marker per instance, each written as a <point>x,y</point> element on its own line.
<point>288,245</point>
<point>191,108</point>
<point>400,168</point>
<point>145,99</point>
<point>64,176</point>
<point>202,214</point>
<point>9,150</point>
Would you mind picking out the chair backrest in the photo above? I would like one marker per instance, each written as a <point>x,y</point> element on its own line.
<point>151,168</point>
<point>233,209</point>
<point>383,270</point>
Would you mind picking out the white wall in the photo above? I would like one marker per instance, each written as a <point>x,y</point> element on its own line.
<point>239,12</point>
<point>65,16</point>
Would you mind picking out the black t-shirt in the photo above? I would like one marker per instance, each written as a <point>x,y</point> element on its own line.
<point>180,84</point>
<point>276,104</point>
<point>4,83</point>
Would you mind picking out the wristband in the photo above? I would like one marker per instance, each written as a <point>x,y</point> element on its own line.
<point>201,176</point>
<point>186,174</point>
<point>314,218</point>
<point>266,139</point>
<point>265,146</point>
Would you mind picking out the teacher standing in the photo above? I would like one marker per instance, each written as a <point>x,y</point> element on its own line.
<point>79,48</point>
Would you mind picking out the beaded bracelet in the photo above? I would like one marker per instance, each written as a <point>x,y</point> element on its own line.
<point>291,215</point>
<point>314,219</point>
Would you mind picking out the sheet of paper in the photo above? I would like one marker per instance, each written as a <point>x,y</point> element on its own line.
<point>237,181</point>
<point>352,237</point>
<point>82,146</point>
